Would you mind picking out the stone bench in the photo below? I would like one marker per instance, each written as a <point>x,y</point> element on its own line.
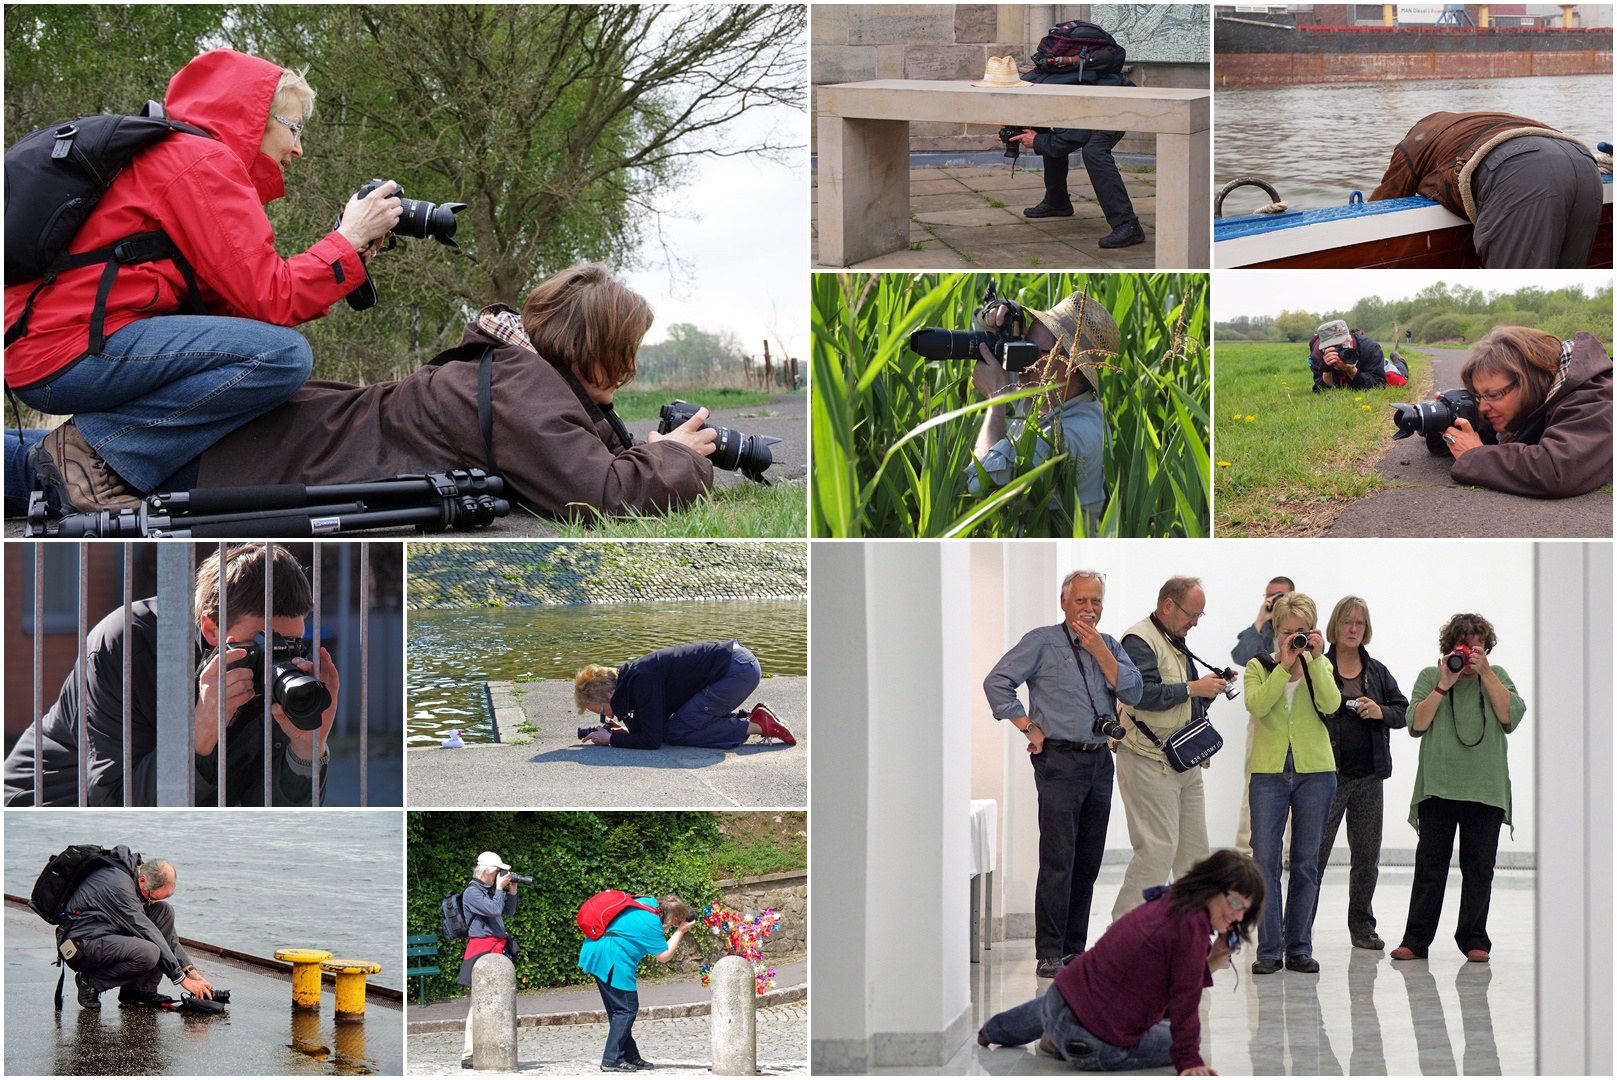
<point>864,138</point>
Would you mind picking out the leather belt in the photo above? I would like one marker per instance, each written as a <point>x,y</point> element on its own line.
<point>1082,748</point>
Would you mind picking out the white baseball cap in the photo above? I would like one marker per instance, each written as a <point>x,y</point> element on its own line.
<point>488,858</point>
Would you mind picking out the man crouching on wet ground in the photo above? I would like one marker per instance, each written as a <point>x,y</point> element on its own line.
<point>122,930</point>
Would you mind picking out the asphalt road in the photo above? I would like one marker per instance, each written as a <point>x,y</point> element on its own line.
<point>556,770</point>
<point>1437,506</point>
<point>788,421</point>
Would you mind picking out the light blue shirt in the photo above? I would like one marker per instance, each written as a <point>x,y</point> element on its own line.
<point>1056,694</point>
<point>1083,433</point>
<point>631,937</point>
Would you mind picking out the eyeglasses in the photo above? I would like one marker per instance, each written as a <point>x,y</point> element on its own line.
<point>1495,395</point>
<point>297,128</point>
<point>1188,614</point>
<point>1236,906</point>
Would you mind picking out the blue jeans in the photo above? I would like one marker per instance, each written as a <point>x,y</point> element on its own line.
<point>1306,797</point>
<point>621,1007</point>
<point>19,478</point>
<point>707,718</point>
<point>167,388</point>
<point>1049,1016</point>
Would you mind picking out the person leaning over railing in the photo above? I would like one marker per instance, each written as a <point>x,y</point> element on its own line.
<point>1549,404</point>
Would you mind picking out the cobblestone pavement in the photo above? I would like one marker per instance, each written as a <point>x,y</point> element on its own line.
<point>677,1047</point>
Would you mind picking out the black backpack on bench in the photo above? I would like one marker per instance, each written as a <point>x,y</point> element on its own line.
<point>1081,47</point>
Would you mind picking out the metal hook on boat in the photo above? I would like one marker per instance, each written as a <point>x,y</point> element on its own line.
<point>1356,199</point>
<point>1247,181</point>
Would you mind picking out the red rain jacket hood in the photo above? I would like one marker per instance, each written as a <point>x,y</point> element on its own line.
<point>208,195</point>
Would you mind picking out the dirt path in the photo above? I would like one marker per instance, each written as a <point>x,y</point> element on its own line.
<point>1432,504</point>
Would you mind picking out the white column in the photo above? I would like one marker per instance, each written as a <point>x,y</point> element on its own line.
<point>987,737</point>
<point>1029,600</point>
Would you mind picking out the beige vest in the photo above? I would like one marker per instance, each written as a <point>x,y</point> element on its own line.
<point>1171,668</point>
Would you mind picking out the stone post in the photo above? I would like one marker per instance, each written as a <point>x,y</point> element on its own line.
<point>494,1013</point>
<point>734,1018</point>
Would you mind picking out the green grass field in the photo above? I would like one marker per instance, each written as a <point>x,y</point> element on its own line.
<point>643,404</point>
<point>778,510</point>
<point>1285,458</point>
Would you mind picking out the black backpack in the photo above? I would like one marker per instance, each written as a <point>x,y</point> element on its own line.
<point>1078,46</point>
<point>54,887</point>
<point>53,179</point>
<point>453,924</point>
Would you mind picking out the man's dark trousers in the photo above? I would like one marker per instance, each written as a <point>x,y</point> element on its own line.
<point>1075,803</point>
<point>1099,163</point>
<point>128,961</point>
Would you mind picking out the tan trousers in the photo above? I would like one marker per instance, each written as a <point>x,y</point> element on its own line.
<point>1167,825</point>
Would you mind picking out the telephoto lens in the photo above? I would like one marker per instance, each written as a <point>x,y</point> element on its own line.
<point>733,450</point>
<point>1109,727</point>
<point>520,879</point>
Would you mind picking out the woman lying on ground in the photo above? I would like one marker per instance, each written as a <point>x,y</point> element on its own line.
<point>684,695</point>
<point>1549,404</point>
<point>1133,999</point>
<point>555,438</point>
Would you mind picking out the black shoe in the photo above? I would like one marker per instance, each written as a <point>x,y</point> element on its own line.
<point>1049,967</point>
<point>1124,236</point>
<point>1372,942</point>
<point>128,995</point>
<point>89,996</point>
<point>1266,967</point>
<point>642,1063</point>
<point>466,1062</point>
<point>1302,962</point>
<point>622,1066</point>
<point>982,1040</point>
<point>1050,209</point>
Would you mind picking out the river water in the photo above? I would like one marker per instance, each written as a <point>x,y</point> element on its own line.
<point>251,880</point>
<point>1317,142</point>
<point>453,653</point>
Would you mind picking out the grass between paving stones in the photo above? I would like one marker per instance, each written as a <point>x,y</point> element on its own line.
<point>1287,460</point>
<point>753,510</point>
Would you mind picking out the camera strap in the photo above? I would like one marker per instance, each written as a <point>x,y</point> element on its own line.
<point>1078,657</point>
<point>485,392</point>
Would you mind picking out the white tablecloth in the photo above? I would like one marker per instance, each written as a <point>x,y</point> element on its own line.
<point>984,836</point>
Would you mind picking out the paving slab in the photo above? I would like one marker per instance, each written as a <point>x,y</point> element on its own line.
<point>1429,502</point>
<point>961,198</point>
<point>257,1035</point>
<point>980,216</point>
<point>938,186</point>
<point>556,770</point>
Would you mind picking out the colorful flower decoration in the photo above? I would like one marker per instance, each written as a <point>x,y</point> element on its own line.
<point>743,936</point>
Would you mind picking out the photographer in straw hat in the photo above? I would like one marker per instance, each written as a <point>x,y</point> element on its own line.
<point>1073,336</point>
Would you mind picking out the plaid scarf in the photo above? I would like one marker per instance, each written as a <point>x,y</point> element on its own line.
<point>503,324</point>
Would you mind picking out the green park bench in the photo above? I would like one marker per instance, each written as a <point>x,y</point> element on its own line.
<point>421,945</point>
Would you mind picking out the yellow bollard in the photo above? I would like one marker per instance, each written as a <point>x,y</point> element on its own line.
<point>351,985</point>
<point>305,975</point>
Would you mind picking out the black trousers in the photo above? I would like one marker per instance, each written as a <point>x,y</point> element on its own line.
<point>1360,801</point>
<point>129,961</point>
<point>1075,803</point>
<point>1101,166</point>
<point>1478,825</point>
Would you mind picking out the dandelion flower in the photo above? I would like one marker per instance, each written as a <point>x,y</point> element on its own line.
<point>1225,464</point>
<point>1358,399</point>
<point>1250,419</point>
<point>1366,408</point>
<point>1237,416</point>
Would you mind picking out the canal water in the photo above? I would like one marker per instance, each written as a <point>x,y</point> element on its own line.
<point>1317,142</point>
<point>453,653</point>
<point>250,880</point>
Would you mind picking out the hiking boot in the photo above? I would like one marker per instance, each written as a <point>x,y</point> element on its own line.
<point>1266,967</point>
<point>128,995</point>
<point>89,996</point>
<point>1051,209</point>
<point>1124,236</point>
<point>1302,962</point>
<point>84,482</point>
<point>1048,967</point>
<point>769,726</point>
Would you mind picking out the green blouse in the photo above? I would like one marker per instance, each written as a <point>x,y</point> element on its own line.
<point>1463,751</point>
<point>1298,725</point>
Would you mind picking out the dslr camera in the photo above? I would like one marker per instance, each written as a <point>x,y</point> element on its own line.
<point>732,450</point>
<point>300,695</point>
<point>1108,726</point>
<point>1013,149</point>
<point>1460,657</point>
<point>421,220</point>
<point>1433,418</point>
<point>1231,677</point>
<point>520,879</point>
<point>1008,344</point>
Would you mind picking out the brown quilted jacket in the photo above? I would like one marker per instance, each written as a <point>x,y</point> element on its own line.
<point>1429,159</point>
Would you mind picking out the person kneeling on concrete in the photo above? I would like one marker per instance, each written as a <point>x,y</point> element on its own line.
<point>1549,404</point>
<point>1132,1000</point>
<point>122,932</point>
<point>684,695</point>
<point>485,911</point>
<point>614,958</point>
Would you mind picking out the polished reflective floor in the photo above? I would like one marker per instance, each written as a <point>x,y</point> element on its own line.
<point>1361,1014</point>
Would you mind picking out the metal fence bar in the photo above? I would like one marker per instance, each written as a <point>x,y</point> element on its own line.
<point>39,674</point>
<point>364,669</point>
<point>269,667</point>
<point>176,677</point>
<point>314,757</point>
<point>84,634</point>
<point>219,749</point>
<point>128,673</point>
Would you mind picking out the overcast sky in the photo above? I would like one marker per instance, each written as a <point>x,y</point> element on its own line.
<point>742,228</point>
<point>1269,292</point>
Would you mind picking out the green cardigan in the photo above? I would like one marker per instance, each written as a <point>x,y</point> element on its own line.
<point>1298,726</point>
<point>1450,769</point>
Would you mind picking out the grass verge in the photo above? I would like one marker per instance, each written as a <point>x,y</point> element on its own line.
<point>1286,460</point>
<point>778,510</point>
<point>643,404</point>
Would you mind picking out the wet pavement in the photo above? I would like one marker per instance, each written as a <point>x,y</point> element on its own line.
<point>678,1047</point>
<point>555,769</point>
<point>1429,502</point>
<point>258,1035</point>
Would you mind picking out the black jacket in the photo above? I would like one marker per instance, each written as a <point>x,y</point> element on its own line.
<point>1381,688</point>
<point>108,903</point>
<point>244,739</point>
<point>1061,142</point>
<point>656,686</point>
<point>1371,363</point>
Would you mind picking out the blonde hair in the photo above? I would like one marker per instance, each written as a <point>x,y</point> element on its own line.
<point>586,320</point>
<point>1294,603</point>
<point>1344,607</point>
<point>594,685</point>
<point>292,88</point>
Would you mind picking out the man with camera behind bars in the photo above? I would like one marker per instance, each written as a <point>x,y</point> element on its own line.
<point>1166,809</point>
<point>291,749</point>
<point>485,911</point>
<point>1075,677</point>
<point>1256,640</point>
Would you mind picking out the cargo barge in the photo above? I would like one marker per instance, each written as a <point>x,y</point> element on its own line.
<point>1249,51</point>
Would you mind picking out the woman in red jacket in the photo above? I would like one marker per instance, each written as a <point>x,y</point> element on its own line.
<point>164,386</point>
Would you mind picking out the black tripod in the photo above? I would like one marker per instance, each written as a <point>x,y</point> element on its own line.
<point>432,502</point>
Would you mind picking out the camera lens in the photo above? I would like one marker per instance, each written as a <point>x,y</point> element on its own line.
<point>1299,641</point>
<point>300,695</point>
<point>423,219</point>
<point>1109,727</point>
<point>1454,661</point>
<point>939,343</point>
<point>732,450</point>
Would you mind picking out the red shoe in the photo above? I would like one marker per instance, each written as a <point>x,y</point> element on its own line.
<point>1404,953</point>
<point>768,726</point>
<point>1477,956</point>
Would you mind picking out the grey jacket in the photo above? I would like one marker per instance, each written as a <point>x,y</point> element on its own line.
<point>1254,643</point>
<point>486,910</point>
<point>1043,659</point>
<point>108,903</point>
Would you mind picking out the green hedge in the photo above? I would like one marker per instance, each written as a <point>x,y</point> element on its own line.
<point>571,857</point>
